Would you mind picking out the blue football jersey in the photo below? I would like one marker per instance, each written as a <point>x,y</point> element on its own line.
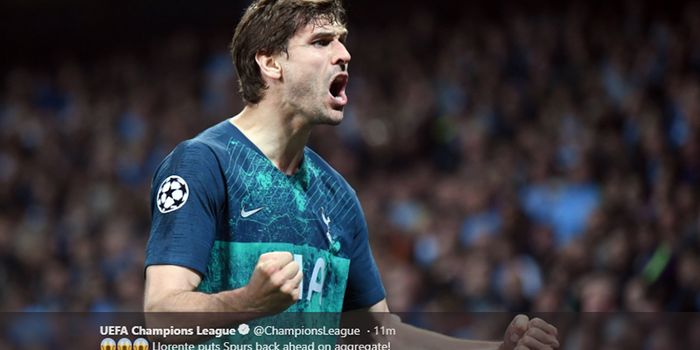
<point>218,203</point>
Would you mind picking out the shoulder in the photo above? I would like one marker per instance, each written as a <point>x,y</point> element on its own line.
<point>190,154</point>
<point>203,149</point>
<point>197,160</point>
<point>194,167</point>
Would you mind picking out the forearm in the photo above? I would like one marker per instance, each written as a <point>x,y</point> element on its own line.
<point>407,336</point>
<point>189,309</point>
<point>193,301</point>
<point>410,337</point>
<point>171,290</point>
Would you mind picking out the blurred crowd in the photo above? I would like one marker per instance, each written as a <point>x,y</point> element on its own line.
<point>539,162</point>
<point>531,161</point>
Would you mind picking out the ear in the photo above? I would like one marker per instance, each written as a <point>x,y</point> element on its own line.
<point>269,66</point>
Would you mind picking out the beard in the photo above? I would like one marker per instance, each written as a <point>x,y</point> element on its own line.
<point>309,98</point>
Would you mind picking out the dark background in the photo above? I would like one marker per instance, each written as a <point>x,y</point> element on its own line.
<point>35,31</point>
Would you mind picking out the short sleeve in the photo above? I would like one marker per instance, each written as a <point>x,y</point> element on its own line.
<point>364,287</point>
<point>187,196</point>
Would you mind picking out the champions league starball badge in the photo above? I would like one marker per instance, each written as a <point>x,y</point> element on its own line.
<point>108,344</point>
<point>172,194</point>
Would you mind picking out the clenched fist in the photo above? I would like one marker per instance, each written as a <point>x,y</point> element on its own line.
<point>274,284</point>
<point>526,334</point>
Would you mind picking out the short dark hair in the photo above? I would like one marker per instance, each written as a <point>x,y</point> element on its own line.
<point>266,27</point>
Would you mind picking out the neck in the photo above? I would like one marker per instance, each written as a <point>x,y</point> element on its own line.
<point>281,137</point>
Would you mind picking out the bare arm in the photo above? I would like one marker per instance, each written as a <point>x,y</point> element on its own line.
<point>171,288</point>
<point>521,334</point>
<point>273,287</point>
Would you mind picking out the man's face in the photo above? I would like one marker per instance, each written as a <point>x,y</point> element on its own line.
<point>315,73</point>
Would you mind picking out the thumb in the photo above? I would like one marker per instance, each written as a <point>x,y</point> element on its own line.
<point>515,331</point>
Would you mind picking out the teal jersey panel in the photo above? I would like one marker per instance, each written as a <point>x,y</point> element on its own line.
<point>325,274</point>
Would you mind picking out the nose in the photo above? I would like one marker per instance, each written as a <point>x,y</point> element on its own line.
<point>341,56</point>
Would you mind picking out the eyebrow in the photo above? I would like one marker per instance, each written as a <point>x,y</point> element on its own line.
<point>342,34</point>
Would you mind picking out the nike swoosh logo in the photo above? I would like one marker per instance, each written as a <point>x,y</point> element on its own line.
<point>247,213</point>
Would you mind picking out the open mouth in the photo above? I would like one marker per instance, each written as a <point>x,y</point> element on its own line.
<point>337,90</point>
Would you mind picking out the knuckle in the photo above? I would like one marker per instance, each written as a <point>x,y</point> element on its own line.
<point>286,289</point>
<point>276,281</point>
<point>284,256</point>
<point>529,341</point>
